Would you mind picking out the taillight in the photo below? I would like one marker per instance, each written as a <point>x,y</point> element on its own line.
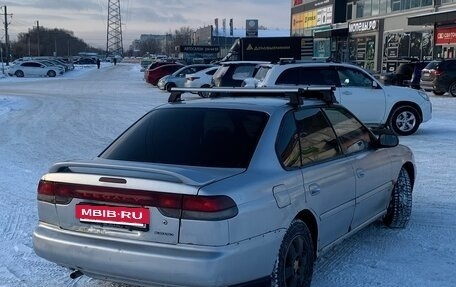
<point>208,207</point>
<point>169,204</point>
<point>438,72</point>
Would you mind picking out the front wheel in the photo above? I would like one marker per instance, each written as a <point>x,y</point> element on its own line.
<point>51,73</point>
<point>400,206</point>
<point>19,74</point>
<point>452,89</point>
<point>404,120</point>
<point>169,87</point>
<point>294,264</point>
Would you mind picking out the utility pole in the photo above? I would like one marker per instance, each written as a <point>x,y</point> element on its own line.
<point>38,36</point>
<point>6,34</point>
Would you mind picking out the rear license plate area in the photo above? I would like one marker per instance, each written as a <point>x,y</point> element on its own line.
<point>132,218</point>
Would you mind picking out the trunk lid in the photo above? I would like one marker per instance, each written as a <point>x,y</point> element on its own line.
<point>130,200</point>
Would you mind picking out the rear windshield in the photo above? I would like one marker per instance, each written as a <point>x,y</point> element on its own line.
<point>261,73</point>
<point>191,136</point>
<point>432,65</point>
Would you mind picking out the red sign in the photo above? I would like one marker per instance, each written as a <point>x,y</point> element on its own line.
<point>132,216</point>
<point>445,36</point>
<point>297,2</point>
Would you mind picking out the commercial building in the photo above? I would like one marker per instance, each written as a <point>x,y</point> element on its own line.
<point>377,34</point>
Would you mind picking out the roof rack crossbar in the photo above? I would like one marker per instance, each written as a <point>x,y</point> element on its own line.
<point>296,95</point>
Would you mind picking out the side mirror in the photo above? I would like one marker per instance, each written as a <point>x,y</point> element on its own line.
<point>346,82</point>
<point>388,140</point>
<point>374,84</point>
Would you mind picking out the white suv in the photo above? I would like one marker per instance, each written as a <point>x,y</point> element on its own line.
<point>399,108</point>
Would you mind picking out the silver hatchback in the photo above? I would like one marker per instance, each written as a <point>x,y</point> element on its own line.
<point>236,190</point>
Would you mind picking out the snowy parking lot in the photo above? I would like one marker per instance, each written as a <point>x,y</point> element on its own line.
<point>74,116</point>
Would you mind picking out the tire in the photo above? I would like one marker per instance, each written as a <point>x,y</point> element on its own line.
<point>204,94</point>
<point>19,74</point>
<point>438,93</point>
<point>295,261</point>
<point>404,120</point>
<point>400,206</point>
<point>169,86</point>
<point>452,89</point>
<point>51,73</point>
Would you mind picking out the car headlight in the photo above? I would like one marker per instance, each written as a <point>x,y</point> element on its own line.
<point>424,95</point>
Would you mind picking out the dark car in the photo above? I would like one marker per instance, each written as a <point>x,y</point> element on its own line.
<point>233,74</point>
<point>406,74</point>
<point>440,77</point>
<point>85,61</point>
<point>154,75</point>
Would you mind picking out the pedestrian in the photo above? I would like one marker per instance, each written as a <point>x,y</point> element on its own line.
<point>115,61</point>
<point>98,63</point>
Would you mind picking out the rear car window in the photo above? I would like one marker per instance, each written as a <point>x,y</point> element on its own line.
<point>191,136</point>
<point>432,65</point>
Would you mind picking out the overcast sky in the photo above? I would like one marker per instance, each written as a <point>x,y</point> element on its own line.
<point>88,18</point>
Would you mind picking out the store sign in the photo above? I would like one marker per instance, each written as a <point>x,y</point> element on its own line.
<point>364,26</point>
<point>199,49</point>
<point>445,36</point>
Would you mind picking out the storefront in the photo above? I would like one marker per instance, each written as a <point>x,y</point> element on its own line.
<point>443,33</point>
<point>364,42</point>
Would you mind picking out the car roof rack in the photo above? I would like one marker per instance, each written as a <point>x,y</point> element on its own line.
<point>296,95</point>
<point>284,61</point>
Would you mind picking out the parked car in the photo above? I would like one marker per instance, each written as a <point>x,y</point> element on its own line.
<point>440,77</point>
<point>177,79</point>
<point>85,61</point>
<point>152,76</point>
<point>398,108</point>
<point>201,79</point>
<point>228,191</point>
<point>406,74</point>
<point>34,68</point>
<point>232,74</point>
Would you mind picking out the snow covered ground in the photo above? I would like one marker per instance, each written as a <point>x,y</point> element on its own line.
<point>75,116</point>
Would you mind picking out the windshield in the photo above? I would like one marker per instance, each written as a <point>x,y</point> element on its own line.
<point>191,136</point>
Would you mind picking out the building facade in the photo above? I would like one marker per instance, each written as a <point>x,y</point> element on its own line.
<point>378,34</point>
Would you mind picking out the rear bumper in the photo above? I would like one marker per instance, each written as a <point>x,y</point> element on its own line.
<point>153,263</point>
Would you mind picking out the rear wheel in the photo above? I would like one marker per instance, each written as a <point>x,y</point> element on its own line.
<point>452,89</point>
<point>438,93</point>
<point>294,264</point>
<point>19,74</point>
<point>51,73</point>
<point>400,206</point>
<point>404,120</point>
<point>204,94</point>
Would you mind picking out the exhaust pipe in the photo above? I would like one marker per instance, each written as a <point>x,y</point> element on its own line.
<point>75,274</point>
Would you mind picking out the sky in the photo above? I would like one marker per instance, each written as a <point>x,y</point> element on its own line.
<point>75,116</point>
<point>88,18</point>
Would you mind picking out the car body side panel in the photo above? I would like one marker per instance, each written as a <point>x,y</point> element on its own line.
<point>373,184</point>
<point>331,194</point>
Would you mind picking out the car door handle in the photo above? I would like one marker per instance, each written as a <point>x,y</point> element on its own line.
<point>346,93</point>
<point>314,189</point>
<point>360,173</point>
